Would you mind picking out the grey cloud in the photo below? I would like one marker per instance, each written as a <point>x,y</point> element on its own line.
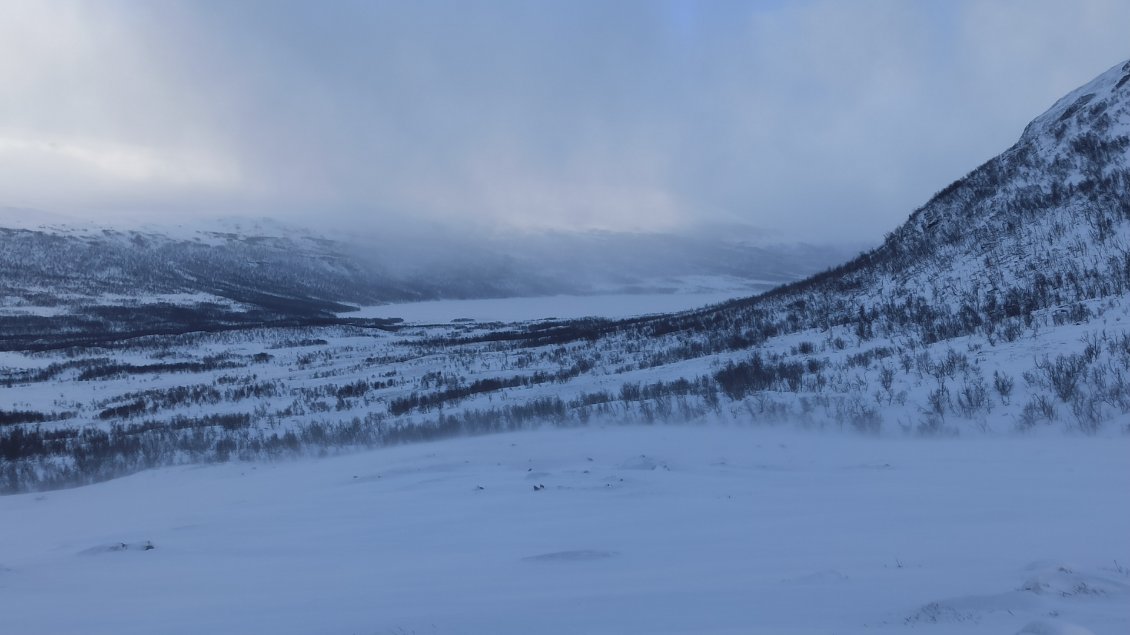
<point>825,120</point>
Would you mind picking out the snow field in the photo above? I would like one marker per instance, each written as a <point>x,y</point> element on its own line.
<point>657,529</point>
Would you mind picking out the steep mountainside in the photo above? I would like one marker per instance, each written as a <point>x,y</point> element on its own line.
<point>1044,225</point>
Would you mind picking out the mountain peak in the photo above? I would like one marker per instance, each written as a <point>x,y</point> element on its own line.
<point>1105,100</point>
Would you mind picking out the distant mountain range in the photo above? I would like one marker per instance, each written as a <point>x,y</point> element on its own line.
<point>76,279</point>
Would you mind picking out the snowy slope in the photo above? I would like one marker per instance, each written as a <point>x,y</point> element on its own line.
<point>705,530</point>
<point>64,283</point>
<point>44,262</point>
<point>1045,224</point>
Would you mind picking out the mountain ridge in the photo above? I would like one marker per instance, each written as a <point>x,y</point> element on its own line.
<point>997,210</point>
<point>74,280</point>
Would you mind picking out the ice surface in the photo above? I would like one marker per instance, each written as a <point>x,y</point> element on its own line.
<point>563,307</point>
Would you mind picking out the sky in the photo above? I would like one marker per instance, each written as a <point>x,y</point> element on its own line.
<point>809,120</point>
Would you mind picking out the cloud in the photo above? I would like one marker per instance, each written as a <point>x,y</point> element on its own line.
<point>91,118</point>
<point>816,119</point>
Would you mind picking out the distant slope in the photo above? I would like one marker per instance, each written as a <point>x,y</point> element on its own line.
<point>90,282</point>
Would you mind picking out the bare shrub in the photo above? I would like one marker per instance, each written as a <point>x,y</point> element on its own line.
<point>973,398</point>
<point>931,425</point>
<point>1063,375</point>
<point>1003,383</point>
<point>1092,346</point>
<point>887,381</point>
<point>864,418</point>
<point>1088,413</point>
<point>1040,409</point>
<point>938,401</point>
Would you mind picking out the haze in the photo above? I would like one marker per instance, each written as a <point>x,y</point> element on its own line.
<point>822,121</point>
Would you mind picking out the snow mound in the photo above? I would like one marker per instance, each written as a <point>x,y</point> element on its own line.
<point>578,555</point>
<point>118,547</point>
<point>1053,627</point>
<point>645,463</point>
<point>940,613</point>
<point>1064,582</point>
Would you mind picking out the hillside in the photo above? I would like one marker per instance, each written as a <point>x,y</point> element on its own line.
<point>64,284</point>
<point>1045,225</point>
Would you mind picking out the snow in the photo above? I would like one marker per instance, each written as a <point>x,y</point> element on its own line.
<point>562,307</point>
<point>1105,85</point>
<point>1018,526</point>
<point>661,529</point>
<point>10,305</point>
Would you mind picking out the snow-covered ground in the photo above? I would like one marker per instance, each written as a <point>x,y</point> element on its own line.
<point>562,307</point>
<point>663,529</point>
<point>69,302</point>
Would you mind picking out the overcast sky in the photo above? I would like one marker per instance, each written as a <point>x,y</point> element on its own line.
<point>824,120</point>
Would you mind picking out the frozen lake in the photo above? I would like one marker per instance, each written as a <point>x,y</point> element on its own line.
<point>540,308</point>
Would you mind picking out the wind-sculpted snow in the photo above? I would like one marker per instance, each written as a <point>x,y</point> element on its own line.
<point>745,531</point>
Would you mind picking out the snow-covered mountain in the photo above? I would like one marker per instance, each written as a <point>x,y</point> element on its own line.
<point>1044,225</point>
<point>84,282</point>
<point>1001,304</point>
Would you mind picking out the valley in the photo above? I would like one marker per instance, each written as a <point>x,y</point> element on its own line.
<point>406,425</point>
